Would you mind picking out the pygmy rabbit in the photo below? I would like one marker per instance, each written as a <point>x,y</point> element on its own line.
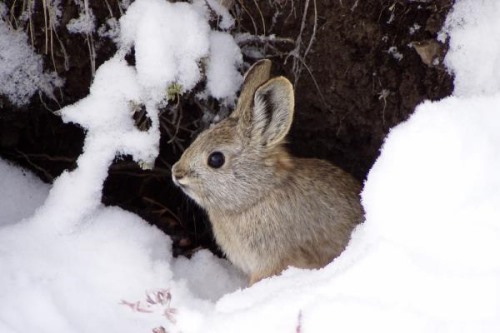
<point>269,210</point>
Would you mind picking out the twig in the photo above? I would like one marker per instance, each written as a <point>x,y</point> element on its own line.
<point>50,158</point>
<point>251,17</point>
<point>163,209</point>
<point>315,84</point>
<point>246,38</point>
<point>261,16</point>
<point>299,60</point>
<point>313,34</point>
<point>35,166</point>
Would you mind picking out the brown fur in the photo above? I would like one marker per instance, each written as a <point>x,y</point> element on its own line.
<point>269,210</point>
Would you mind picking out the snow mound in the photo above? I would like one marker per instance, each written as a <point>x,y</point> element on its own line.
<point>60,281</point>
<point>22,193</point>
<point>438,184</point>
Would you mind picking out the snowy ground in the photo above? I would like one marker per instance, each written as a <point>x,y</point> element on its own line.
<point>425,260</point>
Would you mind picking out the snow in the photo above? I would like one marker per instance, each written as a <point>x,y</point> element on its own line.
<point>110,29</point>
<point>3,10</point>
<point>460,135</point>
<point>21,69</point>
<point>474,53</point>
<point>84,23</point>
<point>226,20</point>
<point>223,51</point>
<point>413,29</point>
<point>170,39</point>
<point>425,259</point>
<point>204,269</point>
<point>26,193</point>
<point>393,51</point>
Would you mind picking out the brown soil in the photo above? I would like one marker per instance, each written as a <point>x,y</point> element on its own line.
<point>360,89</point>
<point>355,92</point>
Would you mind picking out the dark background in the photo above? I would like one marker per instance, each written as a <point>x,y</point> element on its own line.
<point>350,90</point>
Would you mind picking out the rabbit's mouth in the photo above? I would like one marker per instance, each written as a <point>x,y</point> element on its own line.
<point>182,183</point>
<point>189,192</point>
<point>176,182</point>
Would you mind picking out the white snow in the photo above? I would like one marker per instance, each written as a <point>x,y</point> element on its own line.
<point>414,28</point>
<point>3,10</point>
<point>110,29</point>
<point>26,193</point>
<point>425,260</point>
<point>223,51</point>
<point>85,22</point>
<point>21,69</point>
<point>226,20</point>
<point>474,55</point>
<point>393,51</point>
<point>170,39</point>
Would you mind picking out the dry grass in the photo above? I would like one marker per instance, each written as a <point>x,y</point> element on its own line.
<point>268,45</point>
<point>25,21</point>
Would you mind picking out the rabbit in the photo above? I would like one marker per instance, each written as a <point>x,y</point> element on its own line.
<point>269,210</point>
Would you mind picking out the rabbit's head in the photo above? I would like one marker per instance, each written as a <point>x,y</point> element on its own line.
<point>235,162</point>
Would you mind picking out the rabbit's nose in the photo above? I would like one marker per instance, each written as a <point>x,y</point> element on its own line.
<point>177,173</point>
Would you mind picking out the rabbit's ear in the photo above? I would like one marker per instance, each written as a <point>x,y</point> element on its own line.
<point>272,111</point>
<point>256,75</point>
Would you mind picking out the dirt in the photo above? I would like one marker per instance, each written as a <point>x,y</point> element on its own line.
<point>362,78</point>
<point>356,89</point>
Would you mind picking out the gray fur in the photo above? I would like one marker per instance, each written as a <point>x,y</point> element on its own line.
<point>269,210</point>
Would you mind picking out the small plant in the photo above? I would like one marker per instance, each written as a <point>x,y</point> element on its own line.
<point>160,329</point>
<point>155,301</point>
<point>298,328</point>
<point>173,91</point>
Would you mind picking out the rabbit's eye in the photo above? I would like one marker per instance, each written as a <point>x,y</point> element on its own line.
<point>216,159</point>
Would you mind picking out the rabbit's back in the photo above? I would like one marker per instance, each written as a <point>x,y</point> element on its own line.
<point>304,221</point>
